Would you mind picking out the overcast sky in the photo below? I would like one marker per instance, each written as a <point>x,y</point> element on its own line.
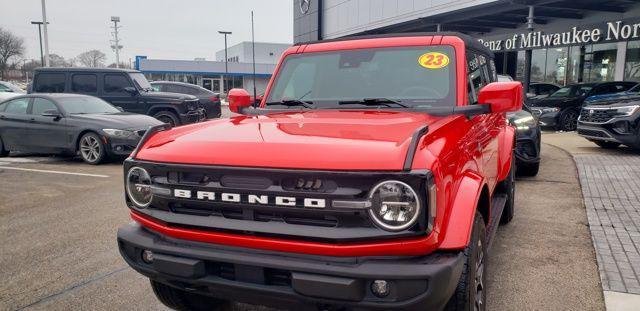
<point>161,29</point>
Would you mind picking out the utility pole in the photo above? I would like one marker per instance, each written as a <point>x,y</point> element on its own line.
<point>116,42</point>
<point>26,73</point>
<point>226,61</point>
<point>40,37</point>
<point>253,55</point>
<point>46,36</point>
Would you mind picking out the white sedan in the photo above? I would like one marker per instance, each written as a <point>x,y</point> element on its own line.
<point>8,90</point>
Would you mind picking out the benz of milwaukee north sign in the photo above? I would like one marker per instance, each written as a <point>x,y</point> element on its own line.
<point>611,31</point>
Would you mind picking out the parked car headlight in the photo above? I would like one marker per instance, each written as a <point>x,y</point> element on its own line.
<point>139,187</point>
<point>627,110</point>
<point>395,205</point>
<point>118,133</point>
<point>524,123</point>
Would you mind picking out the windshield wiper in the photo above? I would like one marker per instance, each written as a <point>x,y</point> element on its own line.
<point>373,102</point>
<point>293,103</point>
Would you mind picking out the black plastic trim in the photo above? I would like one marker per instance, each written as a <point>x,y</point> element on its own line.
<point>148,134</point>
<point>411,151</point>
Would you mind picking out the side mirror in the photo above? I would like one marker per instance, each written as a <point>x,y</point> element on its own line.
<point>239,99</point>
<point>131,90</point>
<point>120,108</point>
<point>502,96</point>
<point>55,114</point>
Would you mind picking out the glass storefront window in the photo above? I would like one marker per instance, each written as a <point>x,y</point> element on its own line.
<point>573,64</point>
<point>556,66</point>
<point>600,62</point>
<point>632,63</point>
<point>538,65</point>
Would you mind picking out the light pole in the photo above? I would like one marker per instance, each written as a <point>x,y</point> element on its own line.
<point>116,42</point>
<point>253,56</point>
<point>226,61</point>
<point>46,36</point>
<point>40,37</point>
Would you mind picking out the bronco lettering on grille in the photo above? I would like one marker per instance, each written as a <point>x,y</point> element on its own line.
<point>248,198</point>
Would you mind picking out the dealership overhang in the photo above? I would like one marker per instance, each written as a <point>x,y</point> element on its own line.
<point>557,41</point>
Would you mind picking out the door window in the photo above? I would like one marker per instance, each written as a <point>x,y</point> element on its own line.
<point>41,105</point>
<point>115,83</point>
<point>50,83</point>
<point>17,106</point>
<point>84,83</point>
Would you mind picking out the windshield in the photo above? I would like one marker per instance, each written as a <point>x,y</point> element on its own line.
<point>85,105</point>
<point>572,91</point>
<point>141,81</point>
<point>416,76</point>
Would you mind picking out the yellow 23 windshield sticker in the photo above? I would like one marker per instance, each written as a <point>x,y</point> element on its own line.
<point>433,60</point>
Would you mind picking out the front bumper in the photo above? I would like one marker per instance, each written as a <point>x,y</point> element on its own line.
<point>548,118</point>
<point>292,281</point>
<point>121,146</point>
<point>607,131</point>
<point>527,149</point>
<point>192,116</point>
<point>213,110</point>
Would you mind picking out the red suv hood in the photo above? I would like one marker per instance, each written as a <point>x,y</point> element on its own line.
<point>319,139</point>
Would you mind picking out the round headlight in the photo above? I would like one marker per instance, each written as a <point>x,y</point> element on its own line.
<point>395,205</point>
<point>139,186</point>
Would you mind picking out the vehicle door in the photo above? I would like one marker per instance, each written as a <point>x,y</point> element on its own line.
<point>47,133</point>
<point>485,127</point>
<point>14,123</point>
<point>114,92</point>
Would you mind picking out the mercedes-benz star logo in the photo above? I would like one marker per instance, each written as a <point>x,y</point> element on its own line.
<point>304,6</point>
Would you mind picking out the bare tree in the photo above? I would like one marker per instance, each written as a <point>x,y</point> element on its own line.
<point>93,58</point>
<point>11,46</point>
<point>56,60</point>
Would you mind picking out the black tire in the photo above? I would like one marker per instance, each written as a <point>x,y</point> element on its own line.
<point>568,120</point>
<point>607,144</point>
<point>91,149</point>
<point>181,300</point>
<point>472,281</point>
<point>528,169</point>
<point>3,152</point>
<point>508,187</point>
<point>168,117</point>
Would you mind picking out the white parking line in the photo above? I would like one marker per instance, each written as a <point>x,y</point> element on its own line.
<point>51,172</point>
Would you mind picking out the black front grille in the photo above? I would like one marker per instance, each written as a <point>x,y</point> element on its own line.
<point>268,217</point>
<point>592,133</point>
<point>597,115</point>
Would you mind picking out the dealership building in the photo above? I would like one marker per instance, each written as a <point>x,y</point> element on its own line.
<point>571,41</point>
<point>213,74</point>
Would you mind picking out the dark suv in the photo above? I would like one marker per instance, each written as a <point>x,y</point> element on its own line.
<point>124,88</point>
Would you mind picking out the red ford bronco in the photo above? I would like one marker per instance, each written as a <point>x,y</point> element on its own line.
<point>373,175</point>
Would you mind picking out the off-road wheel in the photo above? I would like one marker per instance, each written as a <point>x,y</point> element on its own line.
<point>181,300</point>
<point>91,148</point>
<point>528,169</point>
<point>168,117</point>
<point>3,152</point>
<point>568,120</point>
<point>607,144</point>
<point>471,292</point>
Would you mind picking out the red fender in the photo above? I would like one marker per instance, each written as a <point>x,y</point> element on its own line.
<point>460,222</point>
<point>507,144</point>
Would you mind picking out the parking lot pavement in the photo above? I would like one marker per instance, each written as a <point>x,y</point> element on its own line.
<point>611,188</point>
<point>58,250</point>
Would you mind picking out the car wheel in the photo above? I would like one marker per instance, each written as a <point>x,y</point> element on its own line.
<point>91,149</point>
<point>471,292</point>
<point>528,169</point>
<point>569,120</point>
<point>168,117</point>
<point>607,144</point>
<point>3,152</point>
<point>181,300</point>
